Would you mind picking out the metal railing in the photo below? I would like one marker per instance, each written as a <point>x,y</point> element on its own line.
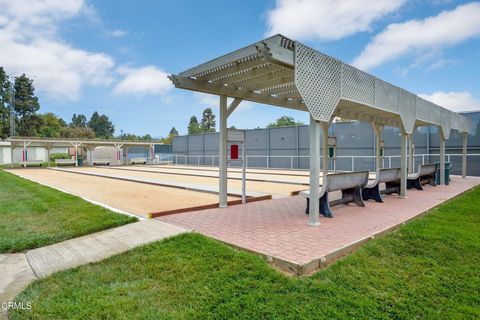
<point>348,163</point>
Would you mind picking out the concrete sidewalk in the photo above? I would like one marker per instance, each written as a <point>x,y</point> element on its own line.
<point>19,269</point>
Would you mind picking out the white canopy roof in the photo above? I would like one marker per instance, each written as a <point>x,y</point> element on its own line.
<point>282,72</point>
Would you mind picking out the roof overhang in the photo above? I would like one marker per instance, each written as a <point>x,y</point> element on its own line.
<point>61,142</point>
<point>281,72</point>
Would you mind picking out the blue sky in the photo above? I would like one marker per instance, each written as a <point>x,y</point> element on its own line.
<point>113,56</point>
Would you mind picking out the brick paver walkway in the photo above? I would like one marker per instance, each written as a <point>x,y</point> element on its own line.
<point>278,228</point>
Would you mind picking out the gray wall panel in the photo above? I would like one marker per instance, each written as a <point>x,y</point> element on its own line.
<point>353,139</point>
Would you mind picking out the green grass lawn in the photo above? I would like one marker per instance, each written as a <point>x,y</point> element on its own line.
<point>32,215</point>
<point>429,269</point>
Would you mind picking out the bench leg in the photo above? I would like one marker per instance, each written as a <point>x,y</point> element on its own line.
<point>414,184</point>
<point>392,187</point>
<point>372,193</point>
<point>357,196</point>
<point>325,206</point>
<point>432,180</point>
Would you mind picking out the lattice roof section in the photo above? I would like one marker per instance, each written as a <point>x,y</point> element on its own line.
<point>279,71</point>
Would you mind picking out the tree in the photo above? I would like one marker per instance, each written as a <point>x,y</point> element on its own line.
<point>284,121</point>
<point>4,104</point>
<point>173,132</point>
<point>26,106</point>
<point>78,121</point>
<point>168,140</point>
<point>77,132</point>
<point>51,126</point>
<point>208,121</point>
<point>101,125</point>
<point>194,126</point>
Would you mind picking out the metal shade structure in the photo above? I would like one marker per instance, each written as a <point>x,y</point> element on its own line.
<point>281,72</point>
<point>88,144</point>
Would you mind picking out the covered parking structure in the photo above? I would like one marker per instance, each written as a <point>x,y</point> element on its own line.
<point>281,72</point>
<point>88,144</point>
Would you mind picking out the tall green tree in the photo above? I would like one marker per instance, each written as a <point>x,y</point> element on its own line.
<point>78,121</point>
<point>194,126</point>
<point>101,125</point>
<point>51,126</point>
<point>77,132</point>
<point>26,106</point>
<point>4,104</point>
<point>208,121</point>
<point>173,132</point>
<point>284,121</point>
<point>169,138</point>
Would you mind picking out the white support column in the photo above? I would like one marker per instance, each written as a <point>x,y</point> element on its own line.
<point>76,146</point>
<point>313,214</point>
<point>222,156</point>
<point>325,160</point>
<point>464,154</point>
<point>24,154</point>
<point>442,157</point>
<point>410,153</point>
<point>377,131</point>
<point>12,147</point>
<point>119,153</point>
<point>403,163</point>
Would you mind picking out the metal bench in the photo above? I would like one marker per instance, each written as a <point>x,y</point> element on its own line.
<point>138,160</point>
<point>101,162</point>
<point>65,162</point>
<point>391,178</point>
<point>425,174</point>
<point>350,183</point>
<point>31,163</point>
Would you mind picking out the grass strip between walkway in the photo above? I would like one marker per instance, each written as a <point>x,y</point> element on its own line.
<point>426,269</point>
<point>32,215</point>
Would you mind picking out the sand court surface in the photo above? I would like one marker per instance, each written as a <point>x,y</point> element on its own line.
<point>135,198</point>
<point>234,186</point>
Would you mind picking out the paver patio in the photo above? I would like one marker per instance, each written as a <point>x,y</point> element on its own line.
<point>277,229</point>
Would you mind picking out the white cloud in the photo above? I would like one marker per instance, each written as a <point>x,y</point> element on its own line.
<point>420,36</point>
<point>30,44</point>
<point>455,101</point>
<point>141,81</point>
<point>327,19</point>
<point>118,33</point>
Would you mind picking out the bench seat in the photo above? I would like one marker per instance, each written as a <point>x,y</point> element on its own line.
<point>391,178</point>
<point>65,162</point>
<point>138,160</point>
<point>101,161</point>
<point>425,174</point>
<point>31,163</point>
<point>350,183</point>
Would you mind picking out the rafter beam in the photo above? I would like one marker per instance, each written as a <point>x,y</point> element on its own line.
<point>206,87</point>
<point>233,106</point>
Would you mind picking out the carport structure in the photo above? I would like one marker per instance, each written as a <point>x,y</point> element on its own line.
<point>285,73</point>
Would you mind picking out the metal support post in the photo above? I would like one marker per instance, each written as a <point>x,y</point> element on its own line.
<point>464,154</point>
<point>410,153</point>
<point>442,157</point>
<point>377,131</point>
<point>313,215</point>
<point>222,156</point>
<point>403,163</point>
